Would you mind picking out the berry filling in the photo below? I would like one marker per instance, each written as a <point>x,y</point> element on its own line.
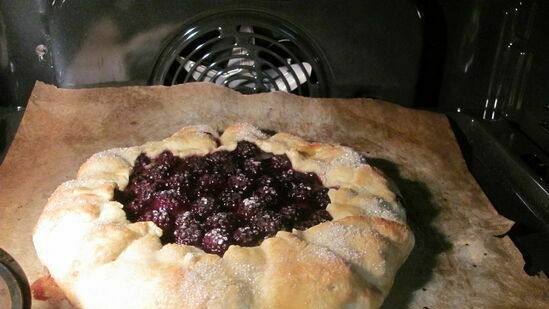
<point>223,198</point>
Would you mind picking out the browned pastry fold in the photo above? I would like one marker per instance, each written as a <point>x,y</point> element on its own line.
<point>101,260</point>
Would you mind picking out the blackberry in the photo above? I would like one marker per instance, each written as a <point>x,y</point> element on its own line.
<point>179,181</point>
<point>224,220</point>
<point>246,235</point>
<point>143,189</point>
<point>230,199</point>
<point>166,200</point>
<point>160,217</point>
<point>268,223</point>
<point>266,180</point>
<point>216,241</point>
<point>252,167</point>
<point>141,163</point>
<point>319,216</point>
<point>196,166</point>
<point>321,198</point>
<point>314,219</point>
<point>239,182</point>
<point>281,162</point>
<point>188,234</point>
<point>186,217</point>
<point>219,157</point>
<point>223,198</point>
<point>246,150</point>
<point>290,213</point>
<point>211,182</point>
<point>249,207</point>
<point>300,191</point>
<point>204,206</point>
<point>267,195</point>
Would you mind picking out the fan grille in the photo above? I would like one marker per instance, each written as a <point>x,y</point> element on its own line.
<point>246,52</point>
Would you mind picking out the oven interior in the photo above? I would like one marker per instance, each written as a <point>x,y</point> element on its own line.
<point>480,63</point>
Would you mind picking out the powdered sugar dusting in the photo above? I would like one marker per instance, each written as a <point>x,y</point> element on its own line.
<point>116,152</point>
<point>206,129</point>
<point>198,277</point>
<point>373,206</point>
<point>249,133</point>
<point>348,157</point>
<point>208,284</point>
<point>324,253</point>
<point>337,239</point>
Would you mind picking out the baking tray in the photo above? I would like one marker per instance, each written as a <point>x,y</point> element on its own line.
<point>460,259</point>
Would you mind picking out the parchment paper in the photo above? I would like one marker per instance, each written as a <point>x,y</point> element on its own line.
<point>459,260</point>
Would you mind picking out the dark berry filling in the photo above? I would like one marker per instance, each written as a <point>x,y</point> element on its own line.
<point>223,198</point>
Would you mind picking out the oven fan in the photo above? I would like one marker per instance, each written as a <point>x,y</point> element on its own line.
<point>257,57</point>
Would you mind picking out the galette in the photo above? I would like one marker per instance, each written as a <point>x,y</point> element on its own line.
<point>238,219</point>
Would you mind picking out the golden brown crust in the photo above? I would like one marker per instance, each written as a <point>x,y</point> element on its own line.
<point>101,260</point>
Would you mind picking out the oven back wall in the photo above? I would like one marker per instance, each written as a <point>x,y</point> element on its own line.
<point>368,48</point>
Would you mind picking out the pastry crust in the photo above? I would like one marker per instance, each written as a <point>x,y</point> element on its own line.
<point>102,260</point>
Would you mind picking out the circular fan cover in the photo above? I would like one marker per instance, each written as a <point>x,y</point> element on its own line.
<point>245,51</point>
